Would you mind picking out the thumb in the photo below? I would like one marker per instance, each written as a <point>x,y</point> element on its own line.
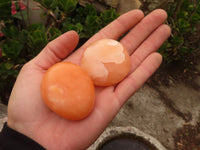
<point>57,50</point>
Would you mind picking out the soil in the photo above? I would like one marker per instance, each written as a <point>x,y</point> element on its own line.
<point>179,71</point>
<point>188,137</point>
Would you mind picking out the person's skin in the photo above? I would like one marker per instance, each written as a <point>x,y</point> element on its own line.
<point>28,114</point>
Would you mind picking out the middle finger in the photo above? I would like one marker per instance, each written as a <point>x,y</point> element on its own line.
<point>143,29</point>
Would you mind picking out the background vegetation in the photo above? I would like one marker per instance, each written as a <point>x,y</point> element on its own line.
<point>20,40</point>
<point>184,19</point>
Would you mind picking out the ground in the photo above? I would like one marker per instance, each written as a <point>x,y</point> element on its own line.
<point>188,136</point>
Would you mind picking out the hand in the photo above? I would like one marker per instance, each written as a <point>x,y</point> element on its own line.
<point>28,114</point>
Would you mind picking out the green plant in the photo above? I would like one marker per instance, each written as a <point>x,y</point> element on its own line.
<point>183,17</point>
<point>20,41</point>
<point>5,9</point>
<point>87,21</point>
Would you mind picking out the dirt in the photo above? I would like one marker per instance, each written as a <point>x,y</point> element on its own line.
<point>188,137</point>
<point>177,71</point>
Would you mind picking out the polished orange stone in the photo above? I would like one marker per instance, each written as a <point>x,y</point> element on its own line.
<point>106,61</point>
<point>68,91</point>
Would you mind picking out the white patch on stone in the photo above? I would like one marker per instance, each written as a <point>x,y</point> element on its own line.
<point>55,90</point>
<point>97,54</point>
<point>113,42</point>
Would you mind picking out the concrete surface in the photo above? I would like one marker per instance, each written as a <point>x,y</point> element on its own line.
<point>3,115</point>
<point>147,112</point>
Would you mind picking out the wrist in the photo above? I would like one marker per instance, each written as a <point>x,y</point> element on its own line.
<point>11,139</point>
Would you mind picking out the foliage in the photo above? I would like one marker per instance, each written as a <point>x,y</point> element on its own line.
<point>86,21</point>
<point>5,9</point>
<point>183,17</point>
<point>21,40</point>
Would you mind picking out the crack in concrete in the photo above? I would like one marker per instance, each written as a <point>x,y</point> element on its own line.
<point>170,104</point>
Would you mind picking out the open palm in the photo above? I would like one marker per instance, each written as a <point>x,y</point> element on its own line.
<point>28,114</point>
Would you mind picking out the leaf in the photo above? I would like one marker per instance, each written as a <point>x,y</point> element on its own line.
<point>12,48</point>
<point>183,25</point>
<point>92,21</point>
<point>8,65</point>
<point>54,4</point>
<point>54,33</point>
<point>108,16</point>
<point>182,14</point>
<point>191,8</point>
<point>68,5</point>
<point>36,26</point>
<point>23,36</point>
<point>79,27</point>
<point>37,39</point>
<point>92,25</point>
<point>195,19</point>
<point>90,10</point>
<point>68,26</point>
<point>198,8</point>
<point>185,4</point>
<point>5,9</point>
<point>11,31</point>
<point>177,40</point>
